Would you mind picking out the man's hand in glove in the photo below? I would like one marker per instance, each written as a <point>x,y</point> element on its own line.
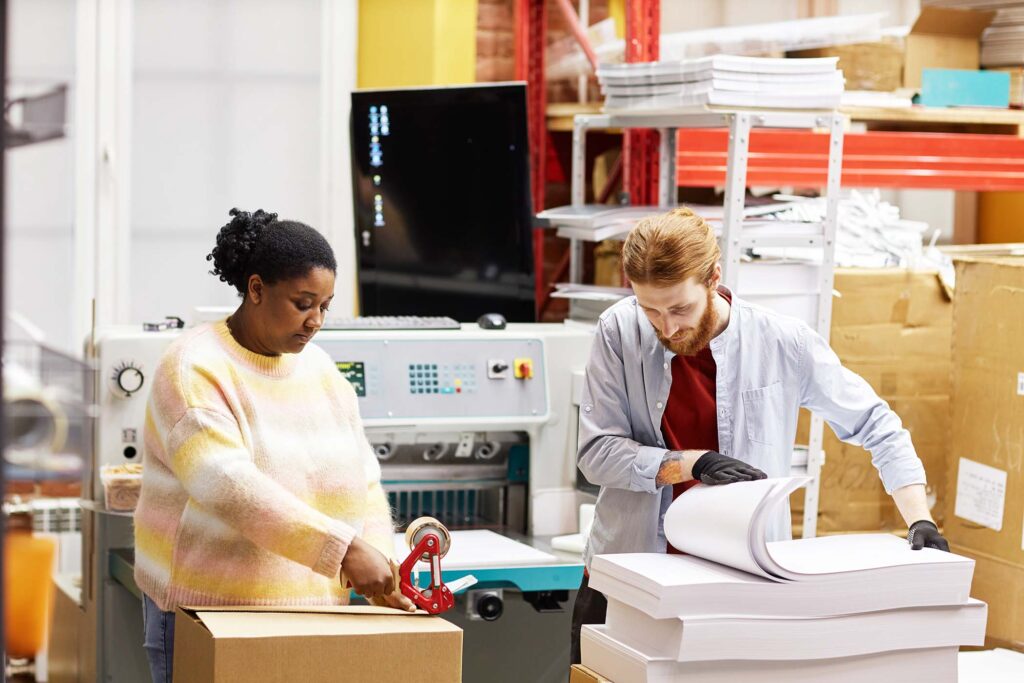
<point>924,534</point>
<point>714,468</point>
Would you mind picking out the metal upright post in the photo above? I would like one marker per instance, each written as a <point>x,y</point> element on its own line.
<point>668,183</point>
<point>578,192</point>
<point>735,191</point>
<point>815,452</point>
<point>643,44</point>
<point>530,44</point>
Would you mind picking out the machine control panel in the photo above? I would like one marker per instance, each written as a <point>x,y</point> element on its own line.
<point>446,374</point>
<point>419,378</point>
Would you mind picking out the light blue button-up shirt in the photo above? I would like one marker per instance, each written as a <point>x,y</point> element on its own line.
<point>768,367</point>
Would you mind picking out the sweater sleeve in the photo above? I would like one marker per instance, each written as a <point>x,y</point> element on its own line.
<point>205,450</point>
<point>379,526</point>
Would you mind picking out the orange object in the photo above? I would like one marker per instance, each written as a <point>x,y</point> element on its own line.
<point>27,590</point>
<point>999,217</point>
<point>523,368</point>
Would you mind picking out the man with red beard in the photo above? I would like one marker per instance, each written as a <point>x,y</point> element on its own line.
<point>688,383</point>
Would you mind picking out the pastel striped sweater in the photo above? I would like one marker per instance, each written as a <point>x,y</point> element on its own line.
<point>257,477</point>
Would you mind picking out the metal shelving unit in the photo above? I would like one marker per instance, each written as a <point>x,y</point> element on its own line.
<point>734,238</point>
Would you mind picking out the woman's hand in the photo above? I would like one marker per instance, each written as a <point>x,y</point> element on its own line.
<point>367,570</point>
<point>396,600</point>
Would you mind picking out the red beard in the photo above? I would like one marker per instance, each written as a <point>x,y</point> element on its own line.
<point>693,341</point>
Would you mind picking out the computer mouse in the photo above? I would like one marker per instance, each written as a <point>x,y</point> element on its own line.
<point>491,321</point>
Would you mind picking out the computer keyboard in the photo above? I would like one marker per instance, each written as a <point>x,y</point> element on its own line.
<point>392,322</point>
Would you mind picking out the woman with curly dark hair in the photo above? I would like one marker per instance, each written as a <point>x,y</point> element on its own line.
<point>259,486</point>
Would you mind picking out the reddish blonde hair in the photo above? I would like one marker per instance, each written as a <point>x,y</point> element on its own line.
<point>668,248</point>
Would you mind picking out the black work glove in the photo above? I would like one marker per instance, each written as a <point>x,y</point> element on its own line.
<point>924,534</point>
<point>714,468</point>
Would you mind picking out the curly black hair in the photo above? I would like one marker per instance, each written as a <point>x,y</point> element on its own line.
<point>257,243</point>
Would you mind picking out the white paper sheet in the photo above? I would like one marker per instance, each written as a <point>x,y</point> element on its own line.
<point>480,549</point>
<point>728,524</point>
<point>824,555</point>
<point>980,494</point>
<point>714,522</point>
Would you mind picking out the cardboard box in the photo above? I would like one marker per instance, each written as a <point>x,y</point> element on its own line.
<point>943,38</point>
<point>985,505</point>
<point>314,645</point>
<point>985,500</point>
<point>1000,584</point>
<point>581,674</point>
<point>866,66</point>
<point>892,327</point>
<point>964,88</point>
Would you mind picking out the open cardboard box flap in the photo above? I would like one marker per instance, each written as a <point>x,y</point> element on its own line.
<point>945,21</point>
<point>271,621</point>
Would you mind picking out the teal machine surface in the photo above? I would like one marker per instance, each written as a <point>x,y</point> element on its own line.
<point>474,427</point>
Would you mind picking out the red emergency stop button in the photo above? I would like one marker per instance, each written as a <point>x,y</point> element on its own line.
<point>523,368</point>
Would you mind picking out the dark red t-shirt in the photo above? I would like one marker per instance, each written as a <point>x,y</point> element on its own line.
<point>690,421</point>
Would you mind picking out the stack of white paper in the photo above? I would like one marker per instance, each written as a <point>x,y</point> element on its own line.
<point>620,663</point>
<point>596,222</point>
<point>722,80</point>
<point>740,608</point>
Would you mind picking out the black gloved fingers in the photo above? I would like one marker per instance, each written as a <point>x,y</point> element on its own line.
<point>718,478</point>
<point>712,463</point>
<point>916,534</point>
<point>741,472</point>
<point>750,473</point>
<point>939,543</point>
<point>924,534</point>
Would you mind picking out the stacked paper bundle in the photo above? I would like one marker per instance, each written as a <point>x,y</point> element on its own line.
<point>738,608</point>
<point>596,222</point>
<point>722,80</point>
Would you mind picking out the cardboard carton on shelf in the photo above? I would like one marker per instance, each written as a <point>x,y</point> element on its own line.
<point>866,66</point>
<point>892,327</point>
<point>941,38</point>
<point>984,505</point>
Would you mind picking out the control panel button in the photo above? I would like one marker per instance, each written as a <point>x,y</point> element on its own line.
<point>126,379</point>
<point>497,369</point>
<point>524,368</point>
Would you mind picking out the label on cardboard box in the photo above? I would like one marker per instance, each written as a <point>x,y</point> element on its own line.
<point>980,494</point>
<point>1020,383</point>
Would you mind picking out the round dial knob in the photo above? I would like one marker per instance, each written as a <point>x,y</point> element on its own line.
<point>127,379</point>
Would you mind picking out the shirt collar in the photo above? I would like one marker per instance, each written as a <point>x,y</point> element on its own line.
<point>730,329</point>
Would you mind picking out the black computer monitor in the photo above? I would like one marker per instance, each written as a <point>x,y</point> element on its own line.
<point>443,216</point>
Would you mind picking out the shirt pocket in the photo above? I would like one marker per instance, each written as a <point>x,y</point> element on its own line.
<point>764,414</point>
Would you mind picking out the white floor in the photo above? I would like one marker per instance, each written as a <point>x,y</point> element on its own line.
<point>991,666</point>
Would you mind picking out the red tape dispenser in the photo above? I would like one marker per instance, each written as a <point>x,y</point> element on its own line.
<point>429,541</point>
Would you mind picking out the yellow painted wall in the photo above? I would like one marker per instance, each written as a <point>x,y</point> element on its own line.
<point>617,11</point>
<point>416,42</point>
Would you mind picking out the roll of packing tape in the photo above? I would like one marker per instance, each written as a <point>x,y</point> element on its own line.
<point>419,528</point>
